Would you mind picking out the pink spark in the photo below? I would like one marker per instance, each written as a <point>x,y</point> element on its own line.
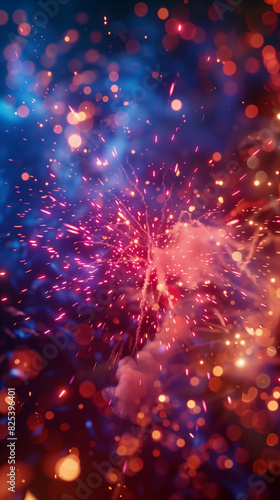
<point>71,229</point>
<point>232,222</point>
<point>59,317</point>
<point>171,89</point>
<point>242,177</point>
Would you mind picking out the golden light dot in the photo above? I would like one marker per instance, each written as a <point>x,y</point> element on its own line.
<point>180,443</point>
<point>240,363</point>
<point>74,141</point>
<point>160,287</point>
<point>176,105</point>
<point>156,435</point>
<point>122,450</point>
<point>29,495</point>
<point>273,405</point>
<point>162,398</point>
<point>276,394</point>
<point>25,176</point>
<point>66,38</point>
<point>68,468</point>
<point>191,403</point>
<point>271,351</point>
<point>218,371</point>
<point>82,116</point>
<point>237,256</point>
<point>228,464</point>
<point>114,88</point>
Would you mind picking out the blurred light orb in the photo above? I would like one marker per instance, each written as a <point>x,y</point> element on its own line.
<point>68,468</point>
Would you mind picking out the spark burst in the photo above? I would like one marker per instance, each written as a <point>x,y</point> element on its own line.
<point>142,289</point>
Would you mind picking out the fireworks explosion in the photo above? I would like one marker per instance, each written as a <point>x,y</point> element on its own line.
<point>140,240</point>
